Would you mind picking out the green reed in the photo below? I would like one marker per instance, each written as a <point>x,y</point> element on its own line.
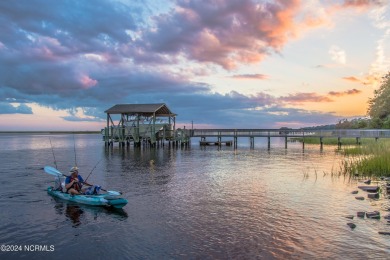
<point>369,159</point>
<point>325,141</point>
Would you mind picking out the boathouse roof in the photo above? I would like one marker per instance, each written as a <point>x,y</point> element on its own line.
<point>160,109</point>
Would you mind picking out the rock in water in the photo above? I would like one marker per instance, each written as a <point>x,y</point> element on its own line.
<point>373,214</point>
<point>351,225</point>
<point>361,214</point>
<point>373,195</point>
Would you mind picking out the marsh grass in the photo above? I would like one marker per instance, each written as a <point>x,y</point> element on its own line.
<point>332,140</point>
<point>371,159</point>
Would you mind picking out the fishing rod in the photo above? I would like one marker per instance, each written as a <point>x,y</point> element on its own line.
<point>93,169</point>
<point>74,148</point>
<point>52,150</point>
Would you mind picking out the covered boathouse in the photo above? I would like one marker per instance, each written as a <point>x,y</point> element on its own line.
<point>142,124</point>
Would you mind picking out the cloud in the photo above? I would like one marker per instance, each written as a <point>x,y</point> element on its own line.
<point>372,78</point>
<point>70,55</point>
<point>7,108</point>
<point>65,27</point>
<point>351,78</point>
<point>255,111</point>
<point>337,54</point>
<point>299,98</point>
<point>362,3</point>
<point>224,32</point>
<point>80,119</point>
<point>251,76</point>
<point>344,93</point>
<point>45,50</point>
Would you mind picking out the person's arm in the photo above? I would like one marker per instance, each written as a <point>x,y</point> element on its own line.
<point>84,182</point>
<point>68,183</point>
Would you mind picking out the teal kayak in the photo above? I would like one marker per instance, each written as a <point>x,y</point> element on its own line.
<point>93,200</point>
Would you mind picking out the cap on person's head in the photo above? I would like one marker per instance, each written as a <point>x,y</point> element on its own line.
<point>74,169</point>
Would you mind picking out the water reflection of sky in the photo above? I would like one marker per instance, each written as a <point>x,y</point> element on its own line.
<point>195,202</point>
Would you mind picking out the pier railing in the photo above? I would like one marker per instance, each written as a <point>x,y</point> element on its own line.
<point>338,133</point>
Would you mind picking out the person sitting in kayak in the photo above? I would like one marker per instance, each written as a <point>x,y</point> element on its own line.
<point>74,182</point>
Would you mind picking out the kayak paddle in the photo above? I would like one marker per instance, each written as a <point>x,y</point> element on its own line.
<point>57,173</point>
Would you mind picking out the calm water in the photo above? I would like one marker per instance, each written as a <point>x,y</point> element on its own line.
<point>192,203</point>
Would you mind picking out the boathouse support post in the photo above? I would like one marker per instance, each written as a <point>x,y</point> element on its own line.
<point>122,131</point>
<point>269,141</point>
<point>153,131</point>
<point>138,142</point>
<point>174,127</point>
<point>107,131</point>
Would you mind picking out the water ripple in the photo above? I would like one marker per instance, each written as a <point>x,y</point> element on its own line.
<point>198,203</point>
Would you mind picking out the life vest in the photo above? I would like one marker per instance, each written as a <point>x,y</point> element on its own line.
<point>76,185</point>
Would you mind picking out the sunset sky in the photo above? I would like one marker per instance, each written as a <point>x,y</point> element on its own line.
<point>218,63</point>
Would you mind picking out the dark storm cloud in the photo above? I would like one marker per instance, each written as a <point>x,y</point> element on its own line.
<point>77,25</point>
<point>43,43</point>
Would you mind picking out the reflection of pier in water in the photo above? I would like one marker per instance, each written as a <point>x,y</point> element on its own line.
<point>358,134</point>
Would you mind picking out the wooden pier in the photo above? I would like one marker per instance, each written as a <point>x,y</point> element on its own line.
<point>219,134</point>
<point>155,124</point>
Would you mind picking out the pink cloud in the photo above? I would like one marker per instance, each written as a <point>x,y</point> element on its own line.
<point>87,82</point>
<point>251,76</point>
<point>299,98</point>
<point>351,78</point>
<point>233,32</point>
<point>344,93</point>
<point>367,80</point>
<point>361,3</point>
<point>225,32</point>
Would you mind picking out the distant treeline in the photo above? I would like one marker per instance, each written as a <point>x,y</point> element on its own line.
<point>378,112</point>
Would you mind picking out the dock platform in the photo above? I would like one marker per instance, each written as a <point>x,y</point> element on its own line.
<point>219,143</point>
